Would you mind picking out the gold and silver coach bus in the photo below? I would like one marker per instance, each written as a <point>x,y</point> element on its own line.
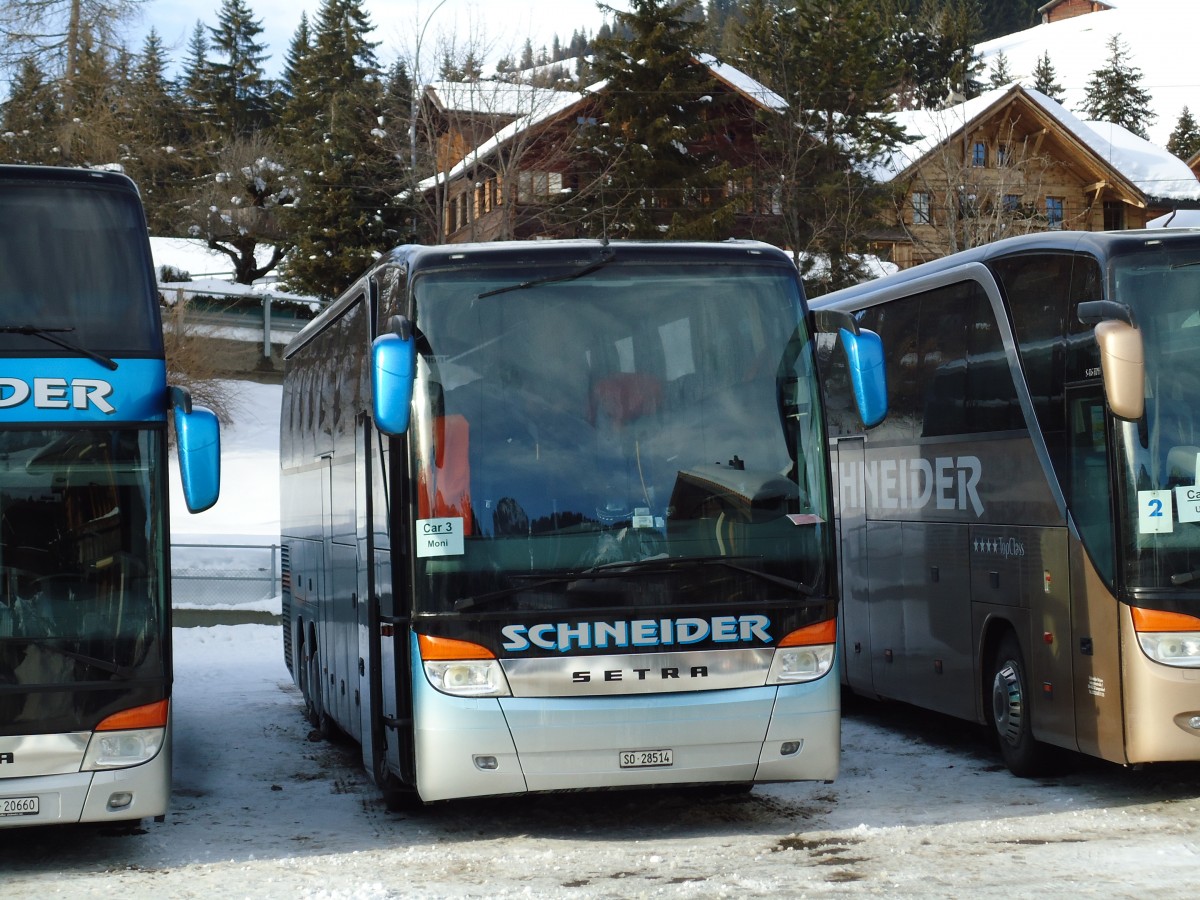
<point>556,516</point>
<point>1020,537</point>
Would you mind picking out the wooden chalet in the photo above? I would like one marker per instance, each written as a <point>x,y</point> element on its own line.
<point>1011,161</point>
<point>1057,10</point>
<point>505,170</point>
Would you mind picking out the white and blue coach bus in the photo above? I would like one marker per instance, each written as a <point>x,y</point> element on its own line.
<point>556,516</point>
<point>85,626</point>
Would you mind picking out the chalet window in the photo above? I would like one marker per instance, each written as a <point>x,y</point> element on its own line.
<point>921,208</point>
<point>535,186</point>
<point>1114,215</point>
<point>1002,154</point>
<point>1011,203</point>
<point>979,155</point>
<point>1054,213</point>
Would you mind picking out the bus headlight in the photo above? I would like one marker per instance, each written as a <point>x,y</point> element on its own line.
<point>1181,648</point>
<point>805,654</point>
<point>795,664</point>
<point>1170,638</point>
<point>461,668</point>
<point>467,677</point>
<point>122,749</point>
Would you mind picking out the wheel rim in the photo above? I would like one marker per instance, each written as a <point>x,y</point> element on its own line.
<point>1008,706</point>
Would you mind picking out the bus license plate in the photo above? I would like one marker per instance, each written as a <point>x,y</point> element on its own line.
<point>645,759</point>
<point>19,806</point>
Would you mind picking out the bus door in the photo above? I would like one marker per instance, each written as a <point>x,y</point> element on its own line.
<point>855,608</point>
<point>1093,635</point>
<point>365,601</point>
<point>339,616</point>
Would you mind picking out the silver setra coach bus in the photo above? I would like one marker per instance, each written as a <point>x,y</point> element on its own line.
<point>556,516</point>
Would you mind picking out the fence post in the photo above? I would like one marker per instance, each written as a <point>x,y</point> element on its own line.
<point>267,325</point>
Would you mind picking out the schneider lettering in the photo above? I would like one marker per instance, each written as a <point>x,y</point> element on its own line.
<point>564,636</point>
<point>57,393</point>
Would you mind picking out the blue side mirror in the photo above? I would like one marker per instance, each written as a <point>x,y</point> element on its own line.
<point>198,441</point>
<point>393,368</point>
<point>864,353</point>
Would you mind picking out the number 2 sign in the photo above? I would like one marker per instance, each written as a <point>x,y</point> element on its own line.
<point>1156,514</point>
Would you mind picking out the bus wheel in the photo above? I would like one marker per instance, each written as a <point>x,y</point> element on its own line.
<point>313,708</point>
<point>1011,723</point>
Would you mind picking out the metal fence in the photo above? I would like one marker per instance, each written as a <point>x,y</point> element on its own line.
<point>223,575</point>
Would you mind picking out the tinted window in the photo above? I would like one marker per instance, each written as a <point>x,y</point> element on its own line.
<point>75,260</point>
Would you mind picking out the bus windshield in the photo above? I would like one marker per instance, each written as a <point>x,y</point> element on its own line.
<point>74,272</point>
<point>82,603</point>
<point>1158,457</point>
<point>637,435</point>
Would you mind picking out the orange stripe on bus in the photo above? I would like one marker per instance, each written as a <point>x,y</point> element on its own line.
<point>1157,620</point>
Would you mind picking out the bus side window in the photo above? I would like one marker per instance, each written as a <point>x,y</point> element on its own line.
<point>991,398</point>
<point>943,360</point>
<point>896,323</point>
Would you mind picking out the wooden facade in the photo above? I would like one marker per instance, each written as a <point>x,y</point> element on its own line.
<point>1009,166</point>
<point>512,177</point>
<point>1058,10</point>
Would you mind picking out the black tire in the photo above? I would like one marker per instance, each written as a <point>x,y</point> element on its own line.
<point>310,687</point>
<point>1011,714</point>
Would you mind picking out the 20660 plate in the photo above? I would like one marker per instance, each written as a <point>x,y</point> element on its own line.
<point>646,759</point>
<point>19,806</point>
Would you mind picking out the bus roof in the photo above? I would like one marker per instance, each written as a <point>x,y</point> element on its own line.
<point>10,172</point>
<point>417,258</point>
<point>1101,243</point>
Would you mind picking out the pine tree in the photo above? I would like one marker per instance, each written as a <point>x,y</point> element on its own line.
<point>665,181</point>
<point>237,81</point>
<point>958,28</point>
<point>1000,74</point>
<point>198,87</point>
<point>830,60</point>
<point>1045,79</point>
<point>156,134</point>
<point>335,125</point>
<point>30,118</point>
<point>1185,139</point>
<point>1114,93</point>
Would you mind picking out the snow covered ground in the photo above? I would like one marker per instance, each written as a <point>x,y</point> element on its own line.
<point>262,808</point>
<point>921,809</point>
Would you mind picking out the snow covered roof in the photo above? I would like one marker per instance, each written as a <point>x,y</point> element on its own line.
<point>542,104</point>
<point>557,103</point>
<point>743,83</point>
<point>500,98</point>
<point>1152,170</point>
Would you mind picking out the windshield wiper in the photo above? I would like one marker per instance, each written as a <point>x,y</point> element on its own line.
<point>52,335</point>
<point>1184,578</point>
<point>607,255</point>
<point>484,599</point>
<point>124,673</point>
<point>652,565</point>
<point>539,579</point>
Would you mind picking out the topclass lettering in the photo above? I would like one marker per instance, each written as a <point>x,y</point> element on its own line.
<point>562,636</point>
<point>57,393</point>
<point>948,482</point>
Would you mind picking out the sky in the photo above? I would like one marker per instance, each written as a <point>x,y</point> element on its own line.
<point>1077,47</point>
<point>501,27</point>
